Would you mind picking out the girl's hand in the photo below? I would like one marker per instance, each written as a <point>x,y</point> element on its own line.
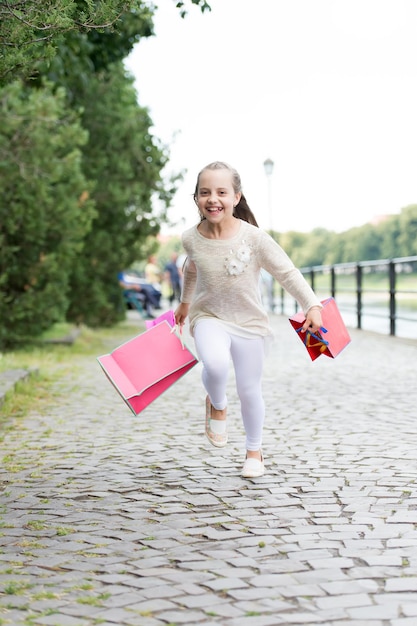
<point>313,321</point>
<point>181,313</point>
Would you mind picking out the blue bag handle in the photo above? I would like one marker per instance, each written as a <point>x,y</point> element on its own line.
<point>320,339</point>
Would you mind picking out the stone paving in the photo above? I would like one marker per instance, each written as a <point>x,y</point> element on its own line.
<point>107,518</point>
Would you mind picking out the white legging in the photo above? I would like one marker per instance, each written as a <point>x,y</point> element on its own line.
<point>214,346</point>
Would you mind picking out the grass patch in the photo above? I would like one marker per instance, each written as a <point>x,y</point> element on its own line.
<point>15,587</point>
<point>45,595</point>
<point>94,600</point>
<point>33,544</point>
<point>30,392</point>
<point>35,525</point>
<point>57,332</point>
<point>89,342</point>
<point>63,532</point>
<point>51,361</point>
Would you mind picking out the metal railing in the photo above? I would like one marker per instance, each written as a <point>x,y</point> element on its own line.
<point>384,290</point>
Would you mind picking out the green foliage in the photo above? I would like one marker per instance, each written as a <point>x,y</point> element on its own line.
<point>27,32</point>
<point>357,244</point>
<point>126,160</point>
<point>30,31</point>
<point>307,250</point>
<point>396,236</point>
<point>292,242</point>
<point>58,164</point>
<point>114,44</point>
<point>79,55</point>
<point>204,6</point>
<point>407,227</point>
<point>45,211</point>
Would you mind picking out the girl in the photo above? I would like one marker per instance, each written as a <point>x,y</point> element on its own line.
<point>220,294</point>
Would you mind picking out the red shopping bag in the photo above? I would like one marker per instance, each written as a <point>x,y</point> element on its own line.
<point>333,335</point>
<point>147,365</point>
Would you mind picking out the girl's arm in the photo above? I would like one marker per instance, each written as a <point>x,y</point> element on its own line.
<point>181,313</point>
<point>188,286</point>
<point>280,266</point>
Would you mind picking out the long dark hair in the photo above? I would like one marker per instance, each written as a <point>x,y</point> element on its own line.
<point>241,210</point>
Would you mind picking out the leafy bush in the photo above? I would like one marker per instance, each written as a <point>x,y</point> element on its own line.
<point>45,209</point>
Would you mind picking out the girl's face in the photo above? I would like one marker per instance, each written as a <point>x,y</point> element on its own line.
<point>216,197</point>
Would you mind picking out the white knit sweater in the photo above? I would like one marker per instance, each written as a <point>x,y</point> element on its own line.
<point>221,278</point>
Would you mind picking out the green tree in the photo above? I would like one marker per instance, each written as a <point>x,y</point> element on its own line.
<point>79,54</point>
<point>126,161</point>
<point>315,247</point>
<point>389,232</point>
<point>356,244</point>
<point>407,237</point>
<point>79,46</point>
<point>31,31</point>
<point>45,210</point>
<point>293,243</point>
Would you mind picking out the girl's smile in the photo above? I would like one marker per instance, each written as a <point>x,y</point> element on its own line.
<point>213,210</point>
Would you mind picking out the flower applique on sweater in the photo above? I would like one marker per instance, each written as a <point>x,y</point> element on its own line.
<point>238,259</point>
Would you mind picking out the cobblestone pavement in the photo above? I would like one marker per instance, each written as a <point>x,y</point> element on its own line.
<point>107,518</point>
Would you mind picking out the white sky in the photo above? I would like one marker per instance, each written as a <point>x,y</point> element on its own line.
<point>325,88</point>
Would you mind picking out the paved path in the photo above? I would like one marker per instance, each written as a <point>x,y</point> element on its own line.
<point>111,519</point>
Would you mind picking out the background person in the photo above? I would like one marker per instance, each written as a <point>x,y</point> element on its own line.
<point>173,278</point>
<point>134,290</point>
<point>152,272</point>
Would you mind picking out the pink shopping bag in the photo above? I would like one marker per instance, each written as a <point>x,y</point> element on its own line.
<point>144,367</point>
<point>332,337</point>
<point>169,316</point>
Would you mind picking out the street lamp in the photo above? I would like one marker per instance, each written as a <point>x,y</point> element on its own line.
<point>269,168</point>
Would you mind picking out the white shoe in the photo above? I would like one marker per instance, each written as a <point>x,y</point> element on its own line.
<point>218,439</point>
<point>253,468</point>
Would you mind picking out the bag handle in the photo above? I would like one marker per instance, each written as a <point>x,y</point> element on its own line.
<point>320,340</point>
<point>178,328</point>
